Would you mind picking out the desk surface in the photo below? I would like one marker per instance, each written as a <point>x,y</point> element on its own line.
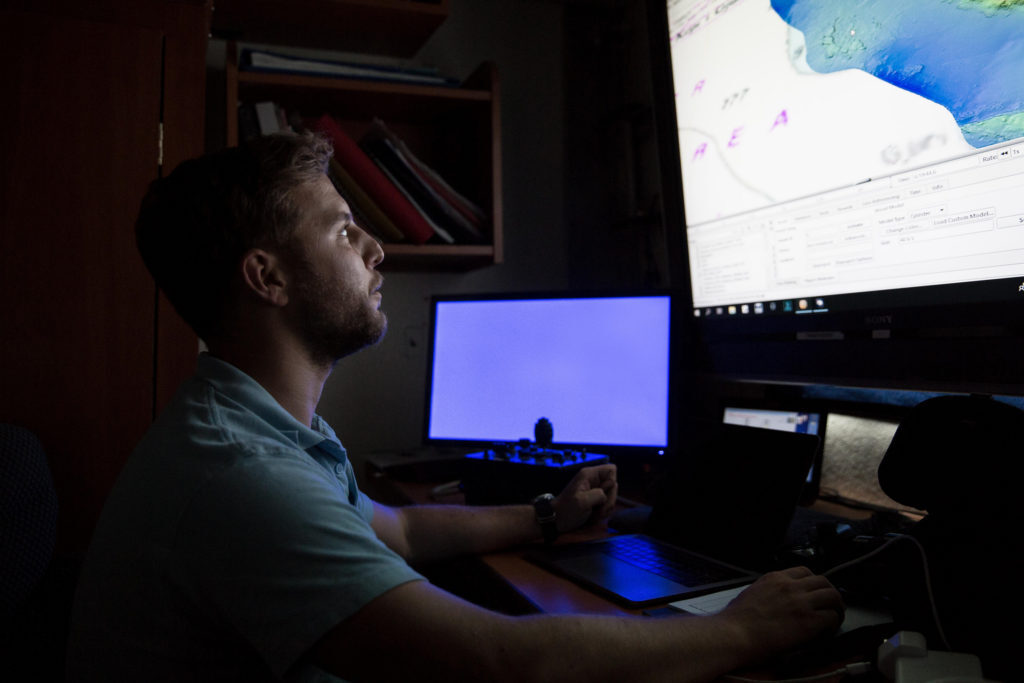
<point>528,588</point>
<point>548,592</point>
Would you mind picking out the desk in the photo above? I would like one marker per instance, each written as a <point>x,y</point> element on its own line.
<point>545,591</point>
<point>507,582</point>
<point>507,578</point>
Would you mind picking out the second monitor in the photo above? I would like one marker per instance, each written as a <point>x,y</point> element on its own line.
<point>597,367</point>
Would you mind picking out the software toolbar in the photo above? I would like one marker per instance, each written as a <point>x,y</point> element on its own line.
<point>955,221</point>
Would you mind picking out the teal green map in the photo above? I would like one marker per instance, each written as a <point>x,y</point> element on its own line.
<point>965,55</point>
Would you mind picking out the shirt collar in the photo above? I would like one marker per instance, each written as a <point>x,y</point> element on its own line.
<point>229,380</point>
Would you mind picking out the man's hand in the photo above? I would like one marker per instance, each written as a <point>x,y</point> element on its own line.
<point>590,494</point>
<point>786,608</point>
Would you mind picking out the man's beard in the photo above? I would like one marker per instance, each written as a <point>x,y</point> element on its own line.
<point>333,323</point>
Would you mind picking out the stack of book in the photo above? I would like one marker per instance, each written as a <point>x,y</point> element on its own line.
<point>391,191</point>
<point>395,194</point>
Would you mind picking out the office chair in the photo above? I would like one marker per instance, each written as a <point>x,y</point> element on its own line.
<point>28,530</point>
<point>28,516</point>
<point>957,457</point>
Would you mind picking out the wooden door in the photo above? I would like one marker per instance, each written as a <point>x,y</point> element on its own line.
<point>79,142</point>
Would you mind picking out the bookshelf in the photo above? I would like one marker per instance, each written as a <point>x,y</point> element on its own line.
<point>455,130</point>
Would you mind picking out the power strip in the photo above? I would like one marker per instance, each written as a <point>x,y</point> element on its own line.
<point>905,658</point>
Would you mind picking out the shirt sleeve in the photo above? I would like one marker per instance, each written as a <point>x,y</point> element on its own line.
<point>276,549</point>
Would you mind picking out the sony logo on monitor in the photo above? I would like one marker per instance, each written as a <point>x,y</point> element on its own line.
<point>879,319</point>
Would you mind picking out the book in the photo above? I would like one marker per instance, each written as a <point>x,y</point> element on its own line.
<point>374,182</point>
<point>266,117</point>
<point>470,211</point>
<point>248,123</point>
<point>260,60</point>
<point>373,218</point>
<point>439,231</point>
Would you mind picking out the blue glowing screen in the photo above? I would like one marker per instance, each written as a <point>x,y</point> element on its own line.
<point>596,367</point>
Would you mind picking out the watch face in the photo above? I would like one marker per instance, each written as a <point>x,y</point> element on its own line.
<point>545,512</point>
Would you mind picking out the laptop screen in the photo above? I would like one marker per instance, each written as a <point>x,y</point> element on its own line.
<point>801,422</point>
<point>780,420</point>
<point>596,367</point>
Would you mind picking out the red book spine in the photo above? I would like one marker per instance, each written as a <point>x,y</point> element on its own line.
<point>391,201</point>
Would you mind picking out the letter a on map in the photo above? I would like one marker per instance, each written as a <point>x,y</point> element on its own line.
<point>780,120</point>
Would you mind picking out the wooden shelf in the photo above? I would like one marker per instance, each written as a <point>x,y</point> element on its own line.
<point>392,27</point>
<point>361,98</point>
<point>455,130</point>
<point>437,256</point>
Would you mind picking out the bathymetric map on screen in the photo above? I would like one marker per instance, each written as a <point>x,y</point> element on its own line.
<point>824,94</point>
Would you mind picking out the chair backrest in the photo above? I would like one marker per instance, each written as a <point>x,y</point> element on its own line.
<point>28,516</point>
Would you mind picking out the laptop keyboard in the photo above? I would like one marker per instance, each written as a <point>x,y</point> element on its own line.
<point>666,561</point>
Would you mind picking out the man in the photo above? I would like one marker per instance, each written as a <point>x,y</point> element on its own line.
<point>236,544</point>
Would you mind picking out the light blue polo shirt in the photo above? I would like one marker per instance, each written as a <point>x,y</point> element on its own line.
<point>234,539</point>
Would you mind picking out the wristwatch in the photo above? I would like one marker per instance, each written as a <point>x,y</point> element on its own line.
<point>543,507</point>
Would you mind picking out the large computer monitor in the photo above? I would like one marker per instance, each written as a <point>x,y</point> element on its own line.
<point>847,180</point>
<point>597,367</point>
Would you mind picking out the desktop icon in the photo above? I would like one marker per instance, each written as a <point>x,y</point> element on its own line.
<point>787,306</point>
<point>819,303</point>
<point>802,304</point>
<point>732,310</point>
<point>1021,288</point>
<point>772,306</point>
<point>696,313</point>
<point>718,311</point>
<point>758,308</point>
<point>744,309</point>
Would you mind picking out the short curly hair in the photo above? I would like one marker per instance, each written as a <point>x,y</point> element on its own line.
<point>195,225</point>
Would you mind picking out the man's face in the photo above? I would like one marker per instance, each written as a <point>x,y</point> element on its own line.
<point>333,282</point>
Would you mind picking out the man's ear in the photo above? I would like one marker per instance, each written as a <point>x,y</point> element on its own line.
<point>263,274</point>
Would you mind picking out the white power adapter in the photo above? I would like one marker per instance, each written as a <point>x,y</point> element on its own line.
<point>904,658</point>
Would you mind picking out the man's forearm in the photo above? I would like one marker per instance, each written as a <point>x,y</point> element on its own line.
<point>444,638</point>
<point>439,531</point>
<point>594,648</point>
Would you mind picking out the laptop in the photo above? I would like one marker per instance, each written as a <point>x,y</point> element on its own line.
<point>717,521</point>
<point>786,420</point>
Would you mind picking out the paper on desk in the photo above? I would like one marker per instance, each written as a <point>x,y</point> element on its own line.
<point>713,603</point>
<point>709,603</point>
